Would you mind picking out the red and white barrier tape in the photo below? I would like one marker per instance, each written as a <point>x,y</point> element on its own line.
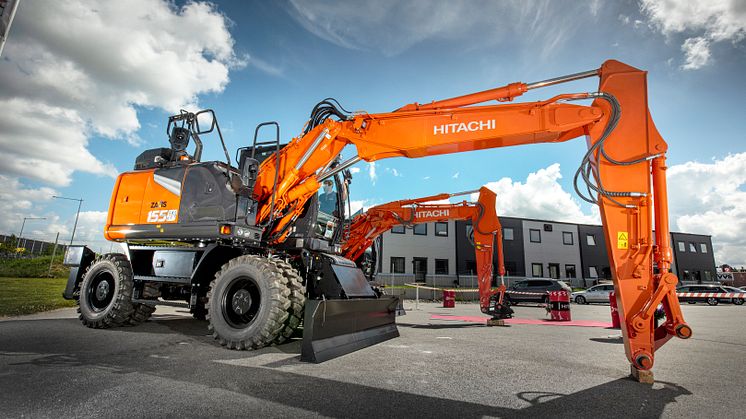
<point>425,287</point>
<point>712,294</point>
<point>527,293</point>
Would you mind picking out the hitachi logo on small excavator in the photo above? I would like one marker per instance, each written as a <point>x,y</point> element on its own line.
<point>433,213</point>
<point>463,127</point>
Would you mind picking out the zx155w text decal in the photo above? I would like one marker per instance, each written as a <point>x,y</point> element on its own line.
<point>162,216</point>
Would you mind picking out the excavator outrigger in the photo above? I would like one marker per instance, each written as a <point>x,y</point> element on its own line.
<point>237,243</point>
<point>368,226</point>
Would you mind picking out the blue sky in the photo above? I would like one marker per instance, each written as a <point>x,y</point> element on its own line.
<point>95,96</point>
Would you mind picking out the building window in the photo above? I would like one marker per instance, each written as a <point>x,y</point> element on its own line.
<point>708,276</point>
<point>507,233</point>
<point>554,269</point>
<point>570,271</point>
<point>534,235</point>
<point>537,270</point>
<point>397,265</point>
<point>703,248</point>
<point>567,237</point>
<point>419,268</point>
<point>692,248</point>
<point>397,229</point>
<point>471,267</point>
<point>441,266</point>
<point>590,239</point>
<point>592,272</point>
<point>441,229</point>
<point>682,247</point>
<point>420,229</point>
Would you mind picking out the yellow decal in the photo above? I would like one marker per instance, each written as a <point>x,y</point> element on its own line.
<point>622,240</point>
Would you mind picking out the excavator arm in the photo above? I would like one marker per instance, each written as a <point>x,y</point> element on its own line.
<point>366,227</point>
<point>623,172</point>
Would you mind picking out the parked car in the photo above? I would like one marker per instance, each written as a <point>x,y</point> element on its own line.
<point>595,294</point>
<point>713,301</point>
<point>535,285</point>
<point>743,288</point>
<point>736,301</point>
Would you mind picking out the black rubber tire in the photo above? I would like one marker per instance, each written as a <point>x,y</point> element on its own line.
<point>712,301</point>
<point>115,269</point>
<point>297,300</point>
<point>580,300</point>
<point>143,311</point>
<point>268,280</point>
<point>738,301</point>
<point>691,302</point>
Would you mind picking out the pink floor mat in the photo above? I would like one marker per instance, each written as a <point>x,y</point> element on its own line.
<point>478,319</point>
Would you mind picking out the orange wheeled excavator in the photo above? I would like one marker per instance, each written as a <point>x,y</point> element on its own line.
<point>242,246</point>
<point>368,226</point>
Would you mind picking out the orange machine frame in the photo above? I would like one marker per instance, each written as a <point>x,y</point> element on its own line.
<point>449,126</point>
<point>366,227</point>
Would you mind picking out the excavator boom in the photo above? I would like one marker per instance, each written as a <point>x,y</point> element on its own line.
<point>623,172</point>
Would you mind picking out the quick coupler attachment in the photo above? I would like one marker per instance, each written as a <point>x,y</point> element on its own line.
<point>334,328</point>
<point>498,310</point>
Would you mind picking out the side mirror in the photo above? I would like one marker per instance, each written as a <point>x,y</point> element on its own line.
<point>204,121</point>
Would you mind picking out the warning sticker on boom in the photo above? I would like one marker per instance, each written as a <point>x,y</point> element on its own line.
<point>622,240</point>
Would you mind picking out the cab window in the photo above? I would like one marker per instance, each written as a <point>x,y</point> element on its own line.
<point>328,197</point>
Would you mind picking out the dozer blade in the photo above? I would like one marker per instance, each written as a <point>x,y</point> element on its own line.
<point>334,328</point>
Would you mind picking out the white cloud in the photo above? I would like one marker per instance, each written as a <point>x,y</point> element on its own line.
<point>63,83</point>
<point>704,198</point>
<point>541,196</point>
<point>372,172</point>
<point>265,67</point>
<point>393,172</point>
<point>697,52</point>
<point>364,204</point>
<point>426,178</point>
<point>356,206</point>
<point>392,27</point>
<point>82,68</point>
<point>354,170</point>
<point>710,198</point>
<point>711,21</point>
<point>595,7</point>
<point>455,175</point>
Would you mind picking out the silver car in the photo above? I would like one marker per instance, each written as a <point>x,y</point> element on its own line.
<point>595,294</point>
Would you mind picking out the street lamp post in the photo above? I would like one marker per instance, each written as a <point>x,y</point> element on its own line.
<point>18,244</point>
<point>80,203</point>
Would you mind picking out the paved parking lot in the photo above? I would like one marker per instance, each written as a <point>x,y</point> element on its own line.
<point>51,366</point>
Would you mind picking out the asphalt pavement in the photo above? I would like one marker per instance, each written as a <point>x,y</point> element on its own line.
<point>52,366</point>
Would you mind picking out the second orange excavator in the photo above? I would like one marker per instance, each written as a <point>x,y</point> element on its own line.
<point>371,224</point>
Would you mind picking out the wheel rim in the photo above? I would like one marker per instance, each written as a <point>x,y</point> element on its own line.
<point>580,300</point>
<point>241,302</point>
<point>711,301</point>
<point>101,291</point>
